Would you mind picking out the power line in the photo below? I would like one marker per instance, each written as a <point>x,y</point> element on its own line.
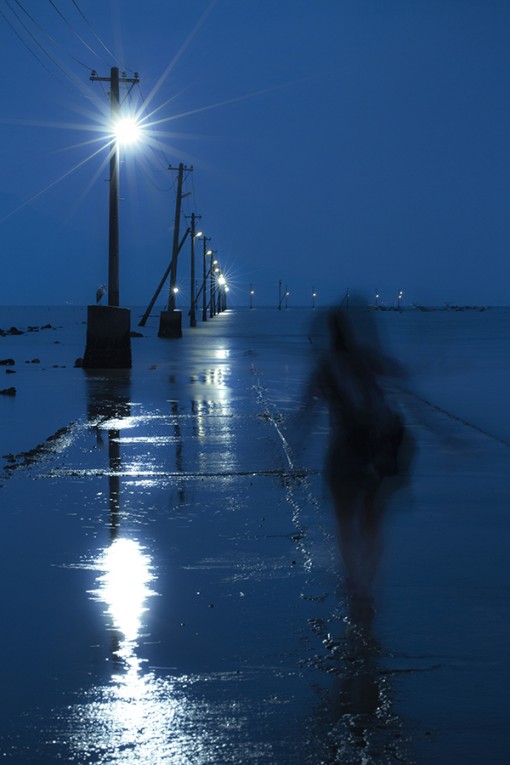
<point>28,47</point>
<point>165,158</point>
<point>100,41</point>
<point>52,39</point>
<point>80,38</point>
<point>27,30</point>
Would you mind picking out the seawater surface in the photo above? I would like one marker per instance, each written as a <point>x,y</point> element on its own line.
<point>172,585</point>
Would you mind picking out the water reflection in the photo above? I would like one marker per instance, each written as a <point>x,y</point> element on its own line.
<point>362,726</point>
<point>126,573</point>
<point>129,718</point>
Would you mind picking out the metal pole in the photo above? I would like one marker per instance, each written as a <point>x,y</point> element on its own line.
<point>113,241</point>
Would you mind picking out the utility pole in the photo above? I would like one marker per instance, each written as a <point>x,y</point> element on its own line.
<point>192,313</point>
<point>170,321</point>
<point>212,301</point>
<point>252,292</point>
<point>280,295</point>
<point>146,315</point>
<point>108,344</point>
<point>175,246</point>
<point>204,279</point>
<point>113,240</point>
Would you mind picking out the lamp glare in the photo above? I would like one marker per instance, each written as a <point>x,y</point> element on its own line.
<point>127,130</point>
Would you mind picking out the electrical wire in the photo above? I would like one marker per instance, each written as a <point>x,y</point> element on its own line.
<point>100,41</point>
<point>52,39</point>
<point>153,183</point>
<point>80,38</point>
<point>165,158</point>
<point>27,30</point>
<point>28,47</point>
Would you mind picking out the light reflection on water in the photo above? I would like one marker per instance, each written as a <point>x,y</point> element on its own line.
<point>138,716</point>
<point>124,588</point>
<point>131,718</point>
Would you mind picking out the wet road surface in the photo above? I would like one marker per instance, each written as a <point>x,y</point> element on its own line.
<point>172,586</point>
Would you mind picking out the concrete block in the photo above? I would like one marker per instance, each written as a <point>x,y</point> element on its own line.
<point>170,324</point>
<point>108,338</point>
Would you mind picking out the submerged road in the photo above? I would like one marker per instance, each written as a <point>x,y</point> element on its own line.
<point>172,587</point>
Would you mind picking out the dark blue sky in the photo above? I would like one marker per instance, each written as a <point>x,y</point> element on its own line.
<point>355,143</point>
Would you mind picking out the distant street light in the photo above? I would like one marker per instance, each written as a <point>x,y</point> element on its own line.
<point>399,299</point>
<point>314,295</point>
<point>221,284</point>
<point>212,302</point>
<point>252,292</point>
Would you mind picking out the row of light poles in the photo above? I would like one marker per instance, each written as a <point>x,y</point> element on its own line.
<point>108,327</point>
<point>218,287</point>
<point>377,299</point>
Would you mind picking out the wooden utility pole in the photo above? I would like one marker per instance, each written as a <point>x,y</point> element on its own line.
<point>192,311</point>
<point>175,246</point>
<point>113,239</point>
<point>212,300</point>
<point>204,279</point>
<point>146,315</point>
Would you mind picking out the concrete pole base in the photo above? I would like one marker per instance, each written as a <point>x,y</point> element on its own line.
<point>108,338</point>
<point>170,324</point>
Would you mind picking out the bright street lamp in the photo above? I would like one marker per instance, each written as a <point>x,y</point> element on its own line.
<point>221,283</point>
<point>127,130</point>
<point>104,349</point>
<point>212,303</point>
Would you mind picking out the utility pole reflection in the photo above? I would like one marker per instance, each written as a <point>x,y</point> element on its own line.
<point>108,403</point>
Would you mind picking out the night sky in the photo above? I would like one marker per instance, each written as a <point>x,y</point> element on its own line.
<point>335,144</point>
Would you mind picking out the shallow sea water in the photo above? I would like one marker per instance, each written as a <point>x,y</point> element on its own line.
<point>172,586</point>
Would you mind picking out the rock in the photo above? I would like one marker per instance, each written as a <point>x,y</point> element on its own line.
<point>35,361</point>
<point>8,392</point>
<point>10,371</point>
<point>7,362</point>
<point>15,331</point>
<point>78,363</point>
